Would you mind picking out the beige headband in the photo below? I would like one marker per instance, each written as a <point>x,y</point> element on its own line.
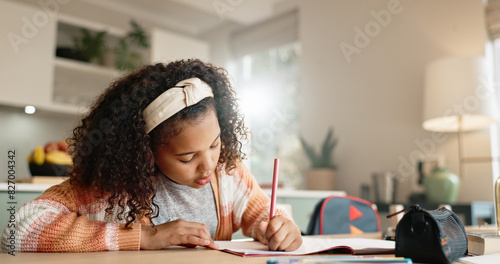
<point>183,94</point>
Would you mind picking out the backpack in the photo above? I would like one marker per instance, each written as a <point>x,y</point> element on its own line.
<point>343,215</point>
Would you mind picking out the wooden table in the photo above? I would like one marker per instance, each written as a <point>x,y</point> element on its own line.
<point>170,255</point>
<point>177,255</point>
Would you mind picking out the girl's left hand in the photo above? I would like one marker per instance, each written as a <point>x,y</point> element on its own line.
<point>281,233</point>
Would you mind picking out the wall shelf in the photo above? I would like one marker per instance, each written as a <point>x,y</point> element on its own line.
<point>85,68</point>
<point>79,83</point>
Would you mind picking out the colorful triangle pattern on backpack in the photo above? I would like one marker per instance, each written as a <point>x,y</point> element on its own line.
<point>354,213</point>
<point>355,230</point>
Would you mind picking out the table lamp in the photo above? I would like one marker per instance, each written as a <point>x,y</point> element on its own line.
<point>458,98</point>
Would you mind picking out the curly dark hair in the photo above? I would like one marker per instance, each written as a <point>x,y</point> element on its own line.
<point>111,150</point>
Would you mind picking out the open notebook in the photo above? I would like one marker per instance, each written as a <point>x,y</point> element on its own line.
<point>311,245</point>
<point>484,259</point>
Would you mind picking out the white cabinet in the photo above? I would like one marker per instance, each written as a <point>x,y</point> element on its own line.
<point>26,55</point>
<point>77,84</point>
<point>31,74</point>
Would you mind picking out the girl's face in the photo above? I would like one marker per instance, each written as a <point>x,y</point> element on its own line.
<point>190,158</point>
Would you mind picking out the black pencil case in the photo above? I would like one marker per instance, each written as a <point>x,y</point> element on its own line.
<point>434,236</point>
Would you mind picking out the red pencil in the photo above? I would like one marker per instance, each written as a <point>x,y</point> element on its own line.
<point>275,188</point>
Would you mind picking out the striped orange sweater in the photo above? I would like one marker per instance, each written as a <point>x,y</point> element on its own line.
<point>66,218</point>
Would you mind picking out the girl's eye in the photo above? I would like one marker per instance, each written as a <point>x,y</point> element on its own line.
<point>186,162</point>
<point>215,146</point>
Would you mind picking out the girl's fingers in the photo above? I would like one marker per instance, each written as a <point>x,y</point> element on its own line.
<point>194,240</point>
<point>283,234</point>
<point>296,243</point>
<point>205,238</point>
<point>205,243</point>
<point>263,229</point>
<point>202,236</point>
<point>190,240</point>
<point>290,242</point>
<point>277,238</point>
<point>273,226</point>
<point>178,232</point>
<point>213,245</point>
<point>194,229</point>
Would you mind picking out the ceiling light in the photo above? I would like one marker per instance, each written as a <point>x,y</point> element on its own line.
<point>29,109</point>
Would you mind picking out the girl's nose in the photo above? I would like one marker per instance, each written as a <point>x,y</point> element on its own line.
<point>206,164</point>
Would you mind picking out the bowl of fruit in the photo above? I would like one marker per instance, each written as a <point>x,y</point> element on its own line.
<point>50,160</point>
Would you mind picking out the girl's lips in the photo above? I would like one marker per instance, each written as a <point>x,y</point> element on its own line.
<point>204,180</point>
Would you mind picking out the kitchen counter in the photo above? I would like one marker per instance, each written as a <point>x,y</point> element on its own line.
<point>31,187</point>
<point>304,193</point>
<point>25,187</point>
<point>14,195</point>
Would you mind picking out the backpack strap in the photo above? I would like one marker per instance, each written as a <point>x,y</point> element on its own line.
<point>314,217</point>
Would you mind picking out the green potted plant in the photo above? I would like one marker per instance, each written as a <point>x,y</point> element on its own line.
<point>321,175</point>
<point>90,46</point>
<point>127,52</point>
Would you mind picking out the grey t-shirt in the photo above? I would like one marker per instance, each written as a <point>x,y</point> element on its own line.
<point>178,201</point>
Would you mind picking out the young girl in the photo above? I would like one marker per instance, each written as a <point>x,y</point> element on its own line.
<point>157,163</point>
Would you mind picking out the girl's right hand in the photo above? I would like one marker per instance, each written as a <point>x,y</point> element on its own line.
<point>176,233</point>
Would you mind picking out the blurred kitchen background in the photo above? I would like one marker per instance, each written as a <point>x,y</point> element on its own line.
<point>300,68</point>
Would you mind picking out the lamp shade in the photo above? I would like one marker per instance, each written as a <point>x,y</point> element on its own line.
<point>458,93</point>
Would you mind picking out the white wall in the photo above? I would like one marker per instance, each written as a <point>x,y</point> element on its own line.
<point>220,48</point>
<point>374,101</point>
<point>176,46</point>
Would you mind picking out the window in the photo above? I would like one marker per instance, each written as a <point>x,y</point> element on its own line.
<point>267,84</point>
<point>493,53</point>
